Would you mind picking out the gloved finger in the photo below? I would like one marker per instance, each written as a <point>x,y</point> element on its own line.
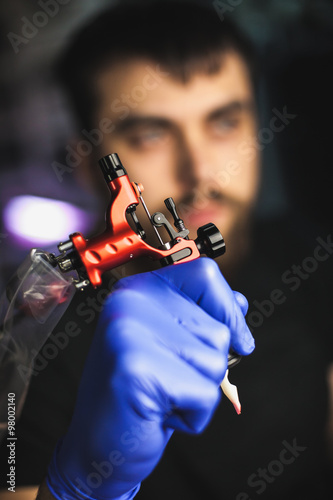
<point>169,390</point>
<point>149,289</point>
<point>192,420</point>
<point>183,328</point>
<point>242,302</point>
<point>202,281</point>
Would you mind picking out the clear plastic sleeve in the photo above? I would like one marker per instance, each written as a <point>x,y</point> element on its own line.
<point>34,301</point>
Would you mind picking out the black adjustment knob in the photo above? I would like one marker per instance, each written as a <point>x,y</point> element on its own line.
<point>171,206</point>
<point>210,241</point>
<point>111,167</point>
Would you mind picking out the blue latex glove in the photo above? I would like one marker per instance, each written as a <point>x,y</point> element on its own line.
<point>155,365</point>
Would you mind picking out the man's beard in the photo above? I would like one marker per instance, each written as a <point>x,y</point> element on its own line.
<point>236,231</point>
<point>233,219</point>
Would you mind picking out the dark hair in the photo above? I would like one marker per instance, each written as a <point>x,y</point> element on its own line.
<point>184,37</point>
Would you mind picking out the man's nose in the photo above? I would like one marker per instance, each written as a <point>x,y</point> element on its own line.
<point>193,163</point>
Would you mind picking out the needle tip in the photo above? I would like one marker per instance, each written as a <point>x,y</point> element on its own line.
<point>231,392</point>
<point>238,408</point>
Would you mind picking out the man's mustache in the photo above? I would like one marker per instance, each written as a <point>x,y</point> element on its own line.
<point>199,199</point>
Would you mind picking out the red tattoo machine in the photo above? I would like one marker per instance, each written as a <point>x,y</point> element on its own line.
<point>121,243</point>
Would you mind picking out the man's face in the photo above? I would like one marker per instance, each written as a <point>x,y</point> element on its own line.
<point>185,141</point>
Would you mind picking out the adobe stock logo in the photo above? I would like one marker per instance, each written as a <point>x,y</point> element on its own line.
<point>292,280</point>
<point>31,27</point>
<point>223,8</point>
<point>120,107</point>
<point>263,477</point>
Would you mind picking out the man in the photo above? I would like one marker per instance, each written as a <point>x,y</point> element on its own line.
<point>137,96</point>
<point>171,89</point>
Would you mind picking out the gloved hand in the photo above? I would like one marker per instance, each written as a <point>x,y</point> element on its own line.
<point>155,365</point>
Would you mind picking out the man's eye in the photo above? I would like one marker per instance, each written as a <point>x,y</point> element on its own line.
<point>147,138</point>
<point>226,124</point>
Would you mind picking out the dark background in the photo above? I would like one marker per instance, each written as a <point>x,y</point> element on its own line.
<point>295,41</point>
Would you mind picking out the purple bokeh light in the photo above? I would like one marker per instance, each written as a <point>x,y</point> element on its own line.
<point>42,221</point>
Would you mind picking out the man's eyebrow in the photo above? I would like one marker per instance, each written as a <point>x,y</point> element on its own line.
<point>134,121</point>
<point>141,121</point>
<point>232,107</point>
